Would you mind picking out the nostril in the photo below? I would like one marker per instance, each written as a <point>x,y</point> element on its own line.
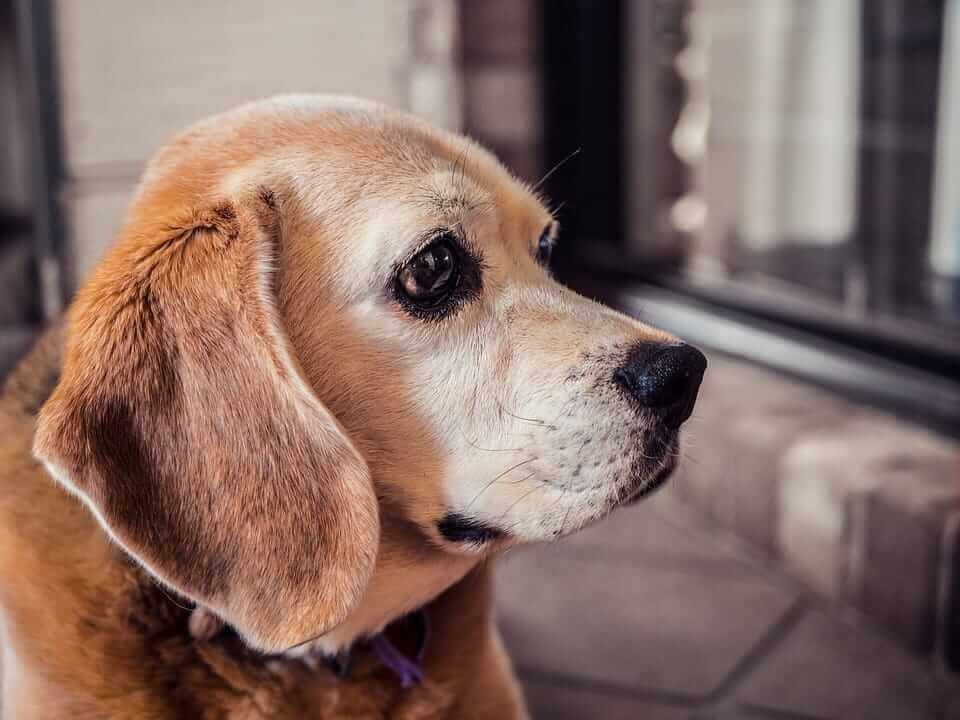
<point>663,377</point>
<point>668,377</point>
<point>636,384</point>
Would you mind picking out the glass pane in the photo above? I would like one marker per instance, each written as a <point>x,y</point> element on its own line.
<point>813,137</point>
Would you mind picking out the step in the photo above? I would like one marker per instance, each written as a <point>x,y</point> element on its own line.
<point>14,342</point>
<point>861,505</point>
<point>18,280</point>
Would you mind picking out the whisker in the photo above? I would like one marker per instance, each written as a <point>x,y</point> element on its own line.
<point>559,499</point>
<point>477,447</point>
<point>490,484</point>
<point>556,167</point>
<point>519,499</point>
<point>687,457</point>
<point>569,401</point>
<point>535,421</point>
<point>563,525</point>
<point>170,597</point>
<point>521,480</point>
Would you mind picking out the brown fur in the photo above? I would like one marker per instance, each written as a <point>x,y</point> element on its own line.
<point>178,416</point>
<point>93,637</point>
<point>180,402</point>
<point>253,423</point>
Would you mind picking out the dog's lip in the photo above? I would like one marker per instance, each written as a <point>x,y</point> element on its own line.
<point>656,482</point>
<point>457,528</point>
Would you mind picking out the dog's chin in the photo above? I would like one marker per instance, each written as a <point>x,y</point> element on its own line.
<point>654,482</point>
<point>653,473</point>
<point>464,533</point>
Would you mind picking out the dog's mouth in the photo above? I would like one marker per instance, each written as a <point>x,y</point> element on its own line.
<point>463,530</point>
<point>650,473</point>
<point>656,482</point>
<point>657,463</point>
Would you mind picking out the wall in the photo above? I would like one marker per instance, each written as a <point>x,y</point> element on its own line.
<point>128,85</point>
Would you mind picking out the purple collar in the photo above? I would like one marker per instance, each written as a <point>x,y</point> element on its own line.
<point>409,670</point>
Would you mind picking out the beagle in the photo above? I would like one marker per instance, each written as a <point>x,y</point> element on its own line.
<point>321,378</point>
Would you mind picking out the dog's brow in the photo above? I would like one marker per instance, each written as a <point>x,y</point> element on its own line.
<point>447,202</point>
<point>452,195</point>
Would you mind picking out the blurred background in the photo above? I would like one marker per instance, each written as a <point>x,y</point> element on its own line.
<point>775,180</point>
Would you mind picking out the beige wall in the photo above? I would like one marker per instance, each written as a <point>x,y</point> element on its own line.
<point>14,195</point>
<point>134,73</point>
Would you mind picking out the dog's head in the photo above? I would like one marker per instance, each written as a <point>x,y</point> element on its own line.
<point>327,348</point>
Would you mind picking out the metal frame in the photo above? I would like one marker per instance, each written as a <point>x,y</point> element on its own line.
<point>922,396</point>
<point>583,111</point>
<point>38,87</point>
<point>907,371</point>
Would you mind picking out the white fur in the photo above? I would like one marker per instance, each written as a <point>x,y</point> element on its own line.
<point>529,451</point>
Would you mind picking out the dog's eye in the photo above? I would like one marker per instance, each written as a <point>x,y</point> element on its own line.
<point>431,275</point>
<point>544,247</point>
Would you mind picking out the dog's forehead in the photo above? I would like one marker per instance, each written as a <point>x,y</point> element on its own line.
<point>350,166</point>
<point>426,176</point>
<point>373,190</point>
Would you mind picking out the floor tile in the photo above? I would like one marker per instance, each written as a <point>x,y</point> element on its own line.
<point>953,708</point>
<point>641,626</point>
<point>830,668</point>
<point>727,712</point>
<point>550,701</point>
<point>659,528</point>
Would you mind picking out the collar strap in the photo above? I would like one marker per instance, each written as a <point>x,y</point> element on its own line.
<point>409,670</point>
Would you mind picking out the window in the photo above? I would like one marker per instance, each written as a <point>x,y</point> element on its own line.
<point>787,160</point>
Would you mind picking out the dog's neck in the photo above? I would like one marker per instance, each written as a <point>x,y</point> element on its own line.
<point>78,595</point>
<point>410,573</point>
<point>400,647</point>
<point>410,570</point>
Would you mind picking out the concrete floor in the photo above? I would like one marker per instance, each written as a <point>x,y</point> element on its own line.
<point>653,614</point>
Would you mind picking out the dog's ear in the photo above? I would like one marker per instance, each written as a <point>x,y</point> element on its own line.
<point>184,423</point>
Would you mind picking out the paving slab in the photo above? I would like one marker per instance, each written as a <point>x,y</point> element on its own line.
<point>950,628</point>
<point>18,280</point>
<point>555,701</point>
<point>953,709</point>
<point>663,529</point>
<point>903,543</point>
<point>640,626</point>
<point>857,503</point>
<point>838,670</point>
<point>730,712</point>
<point>826,473</point>
<point>733,446</point>
<point>14,344</point>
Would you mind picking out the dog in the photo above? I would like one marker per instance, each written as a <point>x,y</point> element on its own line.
<point>323,376</point>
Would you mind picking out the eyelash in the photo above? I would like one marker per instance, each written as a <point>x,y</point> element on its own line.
<point>545,246</point>
<point>468,284</point>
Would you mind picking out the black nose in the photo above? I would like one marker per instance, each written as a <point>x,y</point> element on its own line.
<point>665,378</point>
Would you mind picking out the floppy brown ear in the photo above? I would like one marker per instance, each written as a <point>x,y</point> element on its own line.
<point>184,423</point>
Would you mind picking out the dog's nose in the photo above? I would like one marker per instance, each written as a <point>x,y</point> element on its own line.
<point>665,378</point>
